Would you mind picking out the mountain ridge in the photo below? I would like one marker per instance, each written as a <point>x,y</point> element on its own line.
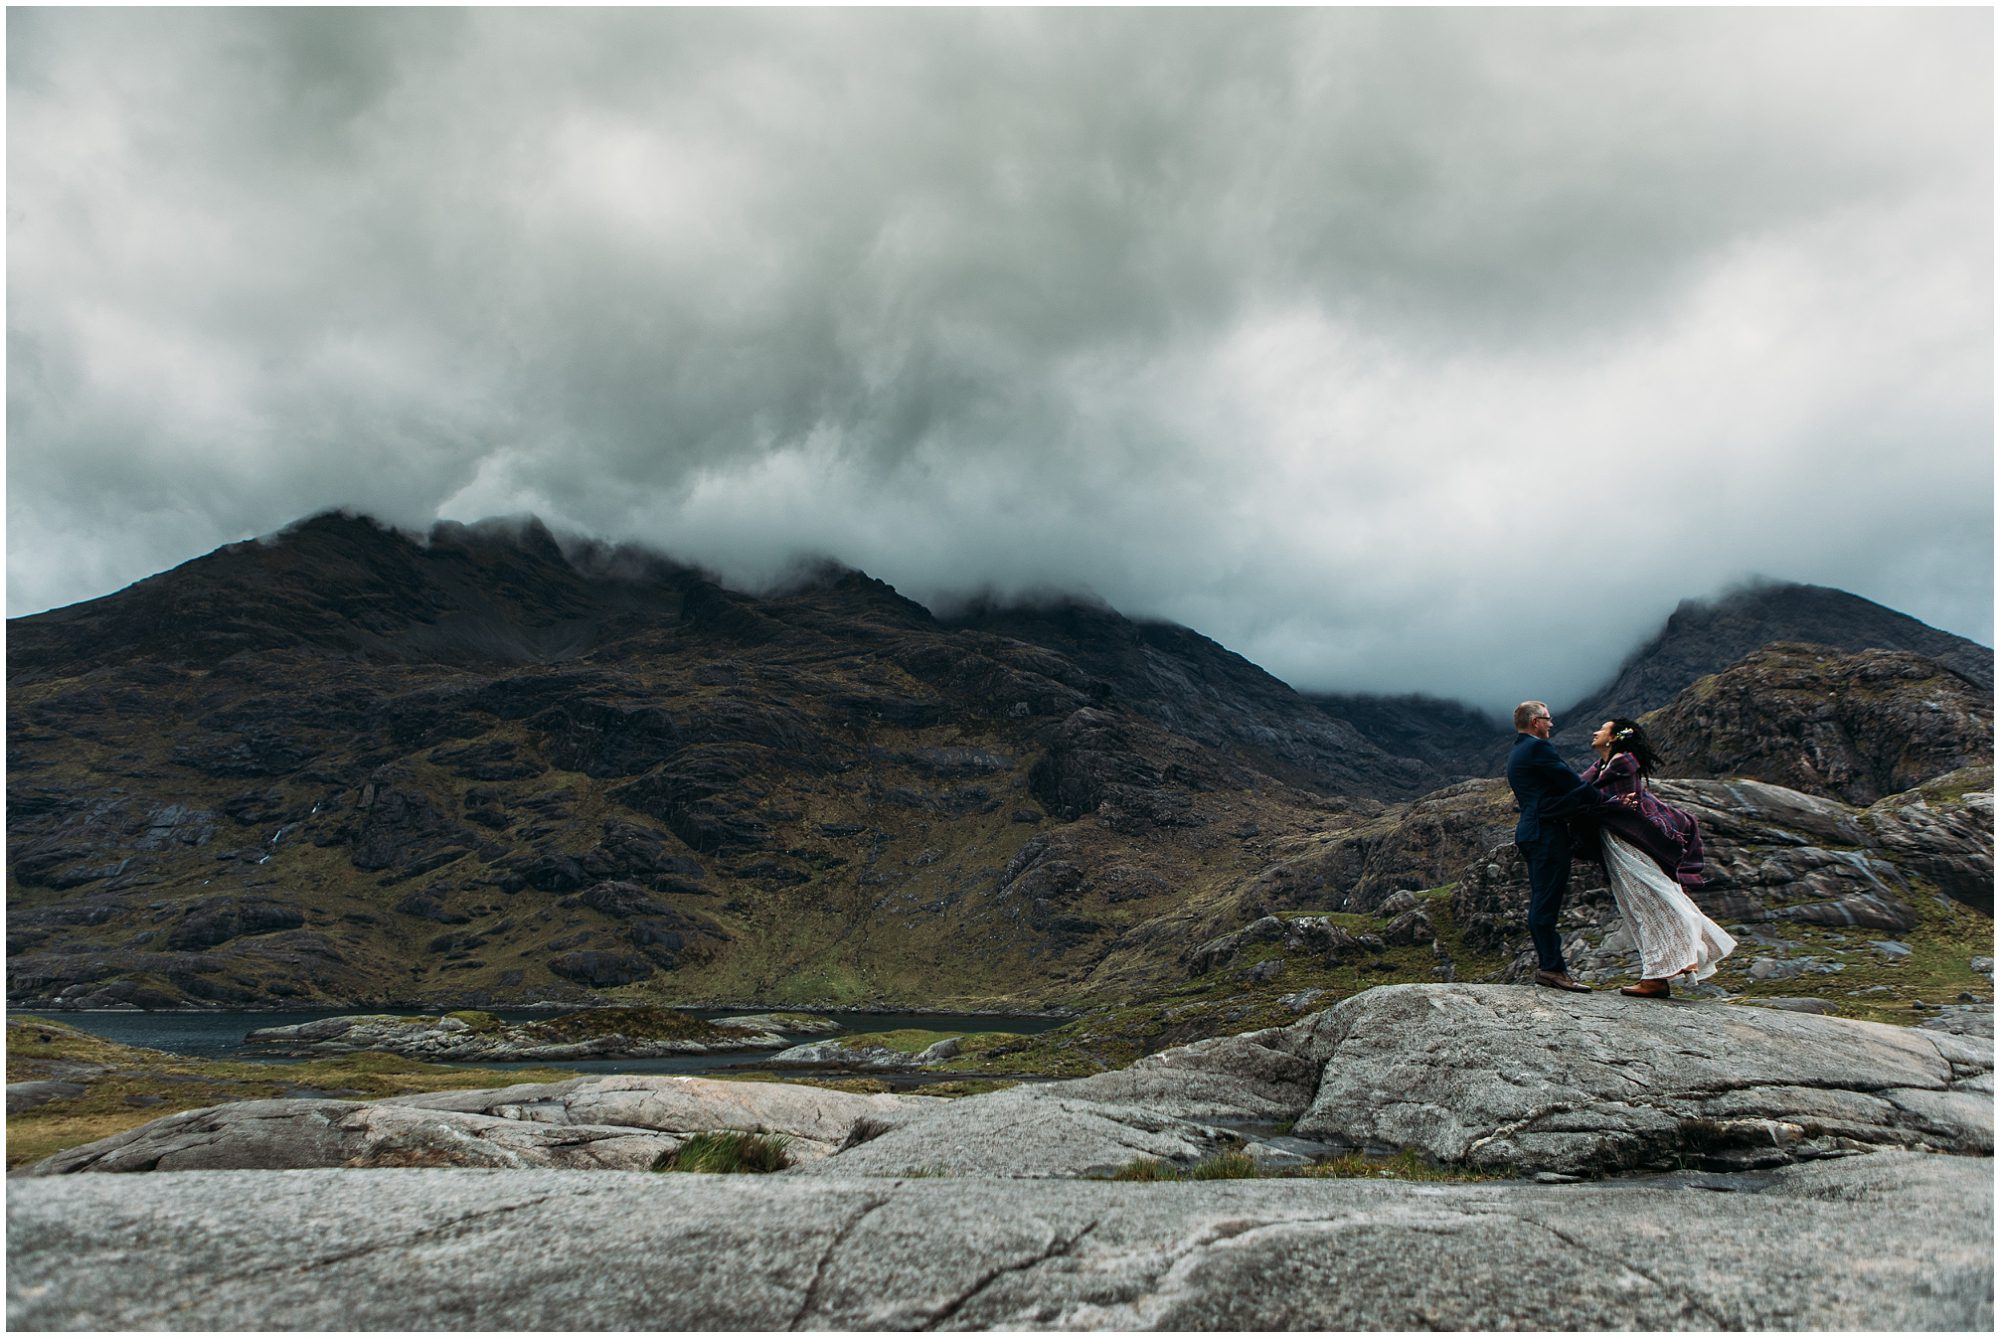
<point>342,766</point>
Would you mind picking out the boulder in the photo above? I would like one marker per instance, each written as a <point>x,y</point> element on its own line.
<point>1176,1105</point>
<point>1942,836</point>
<point>35,1092</point>
<point>1500,1076</point>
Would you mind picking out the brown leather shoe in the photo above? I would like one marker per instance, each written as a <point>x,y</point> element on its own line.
<point>1648,989</point>
<point>1561,980</point>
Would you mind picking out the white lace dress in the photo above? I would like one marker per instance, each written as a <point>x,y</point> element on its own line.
<point>1671,930</point>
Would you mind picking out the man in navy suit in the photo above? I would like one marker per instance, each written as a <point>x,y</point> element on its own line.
<point>1549,794</point>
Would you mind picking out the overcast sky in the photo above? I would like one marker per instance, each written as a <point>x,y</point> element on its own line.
<point>1397,350</point>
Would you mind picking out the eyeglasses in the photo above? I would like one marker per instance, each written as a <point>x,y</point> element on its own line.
<point>1551,719</point>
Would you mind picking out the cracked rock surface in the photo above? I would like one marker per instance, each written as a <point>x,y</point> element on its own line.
<point>1499,1076</point>
<point>1485,1076</point>
<point>432,1249</point>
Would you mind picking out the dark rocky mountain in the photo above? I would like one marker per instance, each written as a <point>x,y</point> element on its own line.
<point>1703,637</point>
<point>348,766</point>
<point>1857,727</point>
<point>1449,740</point>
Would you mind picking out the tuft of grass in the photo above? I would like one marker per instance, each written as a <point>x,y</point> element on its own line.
<point>727,1152</point>
<point>1223,1166</point>
<point>640,1024</point>
<point>908,1041</point>
<point>1404,1165</point>
<point>478,1021</point>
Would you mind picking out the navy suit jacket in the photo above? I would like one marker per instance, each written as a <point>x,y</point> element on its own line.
<point>1548,792</point>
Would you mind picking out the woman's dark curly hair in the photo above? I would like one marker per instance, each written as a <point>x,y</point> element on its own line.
<point>1627,737</point>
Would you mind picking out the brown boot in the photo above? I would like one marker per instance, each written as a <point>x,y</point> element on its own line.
<point>1648,989</point>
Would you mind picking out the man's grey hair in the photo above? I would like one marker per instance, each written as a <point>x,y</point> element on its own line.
<point>1525,713</point>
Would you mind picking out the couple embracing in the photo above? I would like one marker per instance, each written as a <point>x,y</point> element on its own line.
<point>1650,850</point>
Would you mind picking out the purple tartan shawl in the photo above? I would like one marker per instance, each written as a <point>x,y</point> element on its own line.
<point>1666,835</point>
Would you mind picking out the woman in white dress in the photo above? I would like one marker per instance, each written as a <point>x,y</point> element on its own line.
<point>1652,852</point>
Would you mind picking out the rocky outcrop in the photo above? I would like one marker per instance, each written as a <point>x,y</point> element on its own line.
<point>1891,1242</point>
<point>1943,832</point>
<point>1705,637</point>
<point>1483,1076</point>
<point>1498,1076</point>
<point>619,1124</point>
<point>347,768</point>
<point>466,1038</point>
<point>1772,855</point>
<point>1314,935</point>
<point>1853,727</point>
<point>859,1053</point>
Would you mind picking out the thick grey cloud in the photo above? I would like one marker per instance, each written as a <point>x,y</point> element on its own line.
<point>1436,350</point>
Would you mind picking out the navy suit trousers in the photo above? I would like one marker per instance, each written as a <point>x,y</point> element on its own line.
<point>1548,881</point>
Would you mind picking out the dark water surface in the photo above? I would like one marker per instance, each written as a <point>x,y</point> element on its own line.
<point>219,1035</point>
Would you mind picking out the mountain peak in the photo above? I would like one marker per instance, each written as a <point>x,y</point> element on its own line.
<point>1703,636</point>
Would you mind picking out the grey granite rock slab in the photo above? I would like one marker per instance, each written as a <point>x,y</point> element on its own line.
<point>1498,1076</point>
<point>612,1123</point>
<point>1177,1105</point>
<point>1893,1241</point>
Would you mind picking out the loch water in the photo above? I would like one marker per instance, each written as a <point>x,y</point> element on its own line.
<point>219,1035</point>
